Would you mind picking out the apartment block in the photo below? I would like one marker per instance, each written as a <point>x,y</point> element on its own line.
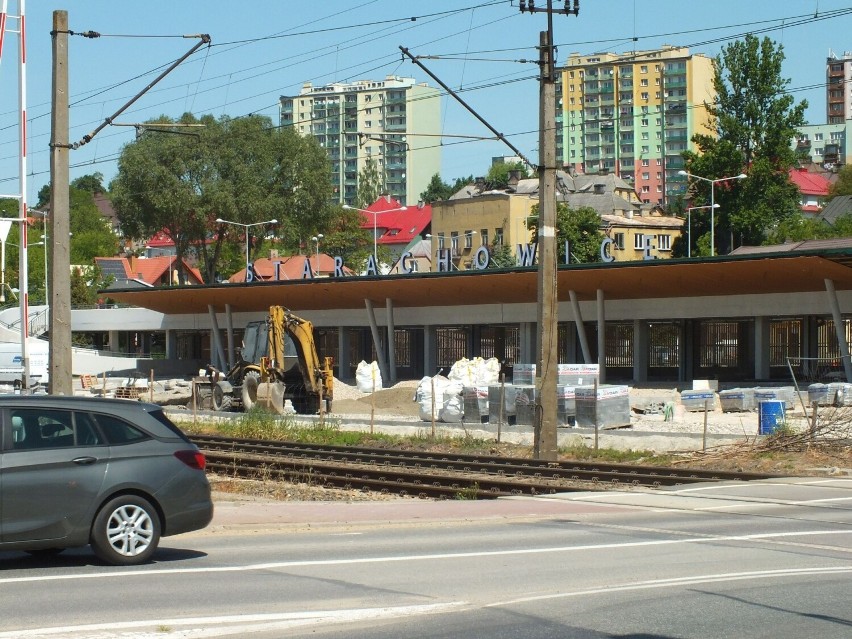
<point>634,114</point>
<point>825,144</point>
<point>395,122</point>
<point>838,88</point>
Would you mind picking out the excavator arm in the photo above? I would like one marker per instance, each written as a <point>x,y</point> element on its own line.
<point>316,374</point>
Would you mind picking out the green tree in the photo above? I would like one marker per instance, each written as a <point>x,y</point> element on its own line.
<point>436,190</point>
<point>501,257</point>
<point>581,228</point>
<point>346,238</point>
<point>93,183</point>
<point>498,174</point>
<point>242,170</point>
<point>843,185</point>
<point>754,118</point>
<point>370,184</point>
<point>92,235</point>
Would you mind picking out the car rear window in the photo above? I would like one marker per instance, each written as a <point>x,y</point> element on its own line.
<point>160,416</point>
<point>117,431</point>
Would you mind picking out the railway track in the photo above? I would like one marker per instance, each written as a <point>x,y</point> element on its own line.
<point>434,475</point>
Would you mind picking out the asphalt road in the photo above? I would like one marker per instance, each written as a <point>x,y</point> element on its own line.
<point>768,559</point>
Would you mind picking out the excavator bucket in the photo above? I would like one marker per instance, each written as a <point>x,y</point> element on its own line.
<point>270,395</point>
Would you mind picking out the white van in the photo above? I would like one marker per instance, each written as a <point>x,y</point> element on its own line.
<point>11,367</point>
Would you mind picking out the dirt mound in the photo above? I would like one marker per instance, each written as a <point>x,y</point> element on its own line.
<point>390,401</point>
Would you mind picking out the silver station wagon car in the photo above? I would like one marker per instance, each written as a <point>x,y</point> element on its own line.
<point>112,473</point>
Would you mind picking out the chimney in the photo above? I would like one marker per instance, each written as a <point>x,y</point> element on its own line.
<point>514,177</point>
<point>479,183</point>
<point>599,188</point>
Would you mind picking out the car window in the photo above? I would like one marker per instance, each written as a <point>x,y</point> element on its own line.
<point>161,417</point>
<point>37,428</point>
<point>118,431</point>
<point>86,431</point>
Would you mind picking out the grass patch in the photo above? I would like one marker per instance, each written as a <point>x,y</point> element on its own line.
<point>260,424</point>
<point>611,455</point>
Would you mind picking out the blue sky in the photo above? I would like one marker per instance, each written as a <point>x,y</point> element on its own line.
<point>263,49</point>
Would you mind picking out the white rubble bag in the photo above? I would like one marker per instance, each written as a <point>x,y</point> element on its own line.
<point>368,377</point>
<point>453,410</point>
<point>423,396</point>
<point>476,371</point>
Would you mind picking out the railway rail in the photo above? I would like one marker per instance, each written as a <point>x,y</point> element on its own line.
<point>434,475</point>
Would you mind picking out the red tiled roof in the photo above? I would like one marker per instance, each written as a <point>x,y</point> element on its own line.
<point>160,239</point>
<point>151,269</point>
<point>809,183</point>
<point>395,226</point>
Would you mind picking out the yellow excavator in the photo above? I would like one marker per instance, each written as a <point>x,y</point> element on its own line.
<point>278,362</point>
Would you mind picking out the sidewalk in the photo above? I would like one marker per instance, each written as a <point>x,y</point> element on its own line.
<point>233,514</point>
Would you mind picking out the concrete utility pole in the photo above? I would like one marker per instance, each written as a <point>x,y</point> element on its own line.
<point>59,362</point>
<point>545,440</point>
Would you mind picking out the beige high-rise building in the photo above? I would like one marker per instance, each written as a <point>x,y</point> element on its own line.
<point>838,88</point>
<point>633,114</point>
<point>395,122</point>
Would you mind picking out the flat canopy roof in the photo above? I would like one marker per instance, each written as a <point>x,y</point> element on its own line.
<point>783,272</point>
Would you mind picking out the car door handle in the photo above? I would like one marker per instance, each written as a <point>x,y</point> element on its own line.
<point>84,461</point>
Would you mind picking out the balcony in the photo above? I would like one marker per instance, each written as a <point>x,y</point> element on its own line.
<point>803,144</point>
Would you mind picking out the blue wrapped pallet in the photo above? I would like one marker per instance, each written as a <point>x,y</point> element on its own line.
<point>696,400</point>
<point>509,393</point>
<point>818,394</point>
<point>737,400</point>
<point>840,393</point>
<point>525,405</point>
<point>608,408</point>
<point>566,405</point>
<point>784,393</point>
<point>475,403</point>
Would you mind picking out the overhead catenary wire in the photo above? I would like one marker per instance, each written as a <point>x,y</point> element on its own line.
<point>772,23</point>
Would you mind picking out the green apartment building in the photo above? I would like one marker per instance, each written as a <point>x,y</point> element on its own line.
<point>395,122</point>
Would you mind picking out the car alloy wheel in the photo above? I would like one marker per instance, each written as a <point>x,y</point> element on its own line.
<point>126,531</point>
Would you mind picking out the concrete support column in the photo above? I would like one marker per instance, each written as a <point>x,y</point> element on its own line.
<point>391,342</point>
<point>217,353</point>
<point>641,339</point>
<point>838,328</point>
<point>229,324</point>
<point>377,341</point>
<point>581,330</point>
<point>430,351</point>
<point>761,348</point>
<point>171,344</point>
<point>114,346</point>
<point>571,342</point>
<point>527,333</point>
<point>344,363</point>
<point>601,313</point>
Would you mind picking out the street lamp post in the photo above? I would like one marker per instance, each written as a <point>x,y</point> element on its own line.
<point>316,238</point>
<point>689,225</point>
<point>375,228</point>
<point>246,227</point>
<point>713,206</point>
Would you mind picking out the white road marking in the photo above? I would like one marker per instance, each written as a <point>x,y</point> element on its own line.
<point>227,624</point>
<point>683,581</point>
<point>283,565</point>
<point>752,504</point>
